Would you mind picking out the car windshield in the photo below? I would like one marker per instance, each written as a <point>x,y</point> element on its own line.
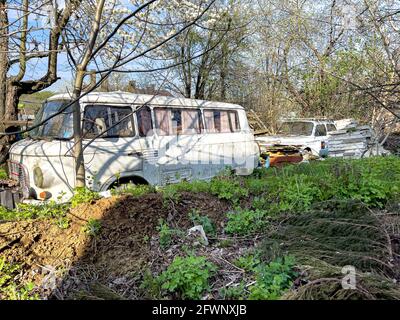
<point>296,128</point>
<point>58,127</point>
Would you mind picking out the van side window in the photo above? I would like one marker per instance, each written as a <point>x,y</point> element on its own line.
<point>221,121</point>
<point>163,121</point>
<point>320,130</point>
<point>191,121</point>
<point>116,121</point>
<point>233,121</point>
<point>177,121</point>
<point>330,127</point>
<point>145,125</point>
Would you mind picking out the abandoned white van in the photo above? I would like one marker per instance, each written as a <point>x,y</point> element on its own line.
<point>133,138</point>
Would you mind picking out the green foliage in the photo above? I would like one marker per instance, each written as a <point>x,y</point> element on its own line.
<point>228,189</point>
<point>245,222</point>
<point>374,181</point>
<point>196,186</point>
<point>151,285</point>
<point>208,225</point>
<point>63,222</point>
<point>92,227</point>
<point>187,276</point>
<point>9,289</point>
<point>166,234</point>
<point>83,195</point>
<point>50,209</point>
<point>225,187</point>
<point>3,173</point>
<point>247,262</point>
<point>136,190</point>
<point>237,292</point>
<point>273,279</point>
<point>225,243</point>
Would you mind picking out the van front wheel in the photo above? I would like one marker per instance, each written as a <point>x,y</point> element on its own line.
<point>123,187</point>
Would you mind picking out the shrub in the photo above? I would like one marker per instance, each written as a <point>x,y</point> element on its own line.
<point>244,222</point>
<point>273,279</point>
<point>237,292</point>
<point>187,276</point>
<point>83,195</point>
<point>228,189</point>
<point>3,173</point>
<point>9,289</point>
<point>204,221</point>
<point>374,181</point>
<point>92,227</point>
<point>24,211</point>
<point>166,234</point>
<point>247,262</point>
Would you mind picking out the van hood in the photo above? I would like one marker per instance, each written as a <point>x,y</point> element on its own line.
<point>284,140</point>
<point>40,148</point>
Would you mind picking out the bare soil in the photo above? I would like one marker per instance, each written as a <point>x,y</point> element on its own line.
<point>122,247</point>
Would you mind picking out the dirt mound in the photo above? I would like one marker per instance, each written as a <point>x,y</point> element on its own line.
<point>122,245</point>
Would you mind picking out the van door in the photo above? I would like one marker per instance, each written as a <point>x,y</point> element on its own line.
<point>112,148</point>
<point>179,135</point>
<point>321,140</point>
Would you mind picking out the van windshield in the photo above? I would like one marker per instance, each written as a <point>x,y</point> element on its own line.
<point>296,128</point>
<point>58,127</point>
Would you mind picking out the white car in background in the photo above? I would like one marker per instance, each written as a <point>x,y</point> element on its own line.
<point>308,134</point>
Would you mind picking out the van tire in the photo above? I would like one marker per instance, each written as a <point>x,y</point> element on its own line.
<point>121,183</point>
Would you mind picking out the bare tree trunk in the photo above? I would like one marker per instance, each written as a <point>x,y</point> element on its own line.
<point>223,71</point>
<point>78,149</point>
<point>81,71</point>
<point>4,67</point>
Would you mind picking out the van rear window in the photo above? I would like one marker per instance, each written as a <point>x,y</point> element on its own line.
<point>222,121</point>
<point>171,121</point>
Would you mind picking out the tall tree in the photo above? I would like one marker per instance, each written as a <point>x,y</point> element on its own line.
<point>24,40</point>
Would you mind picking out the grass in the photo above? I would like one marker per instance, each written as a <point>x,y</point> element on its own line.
<point>316,217</point>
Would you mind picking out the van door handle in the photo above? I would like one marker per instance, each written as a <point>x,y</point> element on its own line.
<point>135,153</point>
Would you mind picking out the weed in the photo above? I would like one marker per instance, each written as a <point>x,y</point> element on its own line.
<point>9,290</point>
<point>237,292</point>
<point>92,227</point>
<point>136,190</point>
<point>166,234</point>
<point>273,279</point>
<point>63,222</point>
<point>151,285</point>
<point>245,222</point>
<point>204,221</point>
<point>247,262</point>
<point>83,195</point>
<point>228,189</point>
<point>188,277</point>
<point>225,243</point>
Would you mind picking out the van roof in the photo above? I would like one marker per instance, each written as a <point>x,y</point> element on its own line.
<point>140,99</point>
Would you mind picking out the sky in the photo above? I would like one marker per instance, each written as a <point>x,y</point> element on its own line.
<point>37,68</point>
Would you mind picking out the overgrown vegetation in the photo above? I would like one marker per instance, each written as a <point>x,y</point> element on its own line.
<point>187,277</point>
<point>92,227</point>
<point>286,233</point>
<point>82,195</point>
<point>10,286</point>
<point>166,234</point>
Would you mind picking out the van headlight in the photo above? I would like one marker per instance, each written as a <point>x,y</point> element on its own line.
<point>38,177</point>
